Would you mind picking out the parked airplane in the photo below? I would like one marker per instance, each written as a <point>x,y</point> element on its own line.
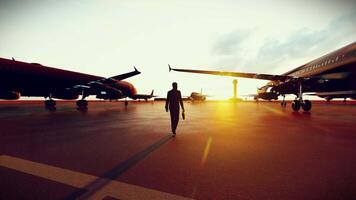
<point>144,96</point>
<point>195,96</point>
<point>332,75</point>
<point>35,80</point>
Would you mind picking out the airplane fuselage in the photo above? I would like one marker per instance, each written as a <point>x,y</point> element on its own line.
<point>36,80</point>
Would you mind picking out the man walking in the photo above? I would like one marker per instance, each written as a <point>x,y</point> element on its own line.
<point>174,98</point>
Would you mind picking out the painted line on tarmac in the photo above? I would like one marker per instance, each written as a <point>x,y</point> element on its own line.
<point>96,185</point>
<point>113,188</point>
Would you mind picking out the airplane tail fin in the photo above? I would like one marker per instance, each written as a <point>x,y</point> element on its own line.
<point>152,93</point>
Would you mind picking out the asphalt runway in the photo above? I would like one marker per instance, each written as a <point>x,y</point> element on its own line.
<point>222,150</point>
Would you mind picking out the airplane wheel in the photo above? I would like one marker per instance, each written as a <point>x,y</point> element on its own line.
<point>126,103</point>
<point>50,104</point>
<point>283,104</point>
<point>306,105</point>
<point>296,105</point>
<point>82,104</point>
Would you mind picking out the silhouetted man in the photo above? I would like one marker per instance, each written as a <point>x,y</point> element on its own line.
<point>174,98</point>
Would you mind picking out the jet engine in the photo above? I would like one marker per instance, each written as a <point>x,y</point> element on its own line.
<point>11,95</point>
<point>110,93</point>
<point>267,93</point>
<point>268,96</point>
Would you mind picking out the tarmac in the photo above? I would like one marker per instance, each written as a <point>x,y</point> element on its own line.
<point>223,150</point>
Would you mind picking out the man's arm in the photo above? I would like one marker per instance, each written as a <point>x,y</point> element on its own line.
<point>181,100</point>
<point>167,101</point>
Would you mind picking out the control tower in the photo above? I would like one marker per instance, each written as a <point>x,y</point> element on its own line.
<point>235,88</point>
<point>234,98</point>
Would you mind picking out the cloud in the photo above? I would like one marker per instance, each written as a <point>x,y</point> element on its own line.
<point>275,53</point>
<point>231,49</point>
<point>231,42</point>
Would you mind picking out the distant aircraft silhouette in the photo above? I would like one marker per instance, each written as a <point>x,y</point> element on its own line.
<point>195,96</point>
<point>144,96</point>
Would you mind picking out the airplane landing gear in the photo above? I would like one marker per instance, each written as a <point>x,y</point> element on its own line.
<point>82,104</point>
<point>296,105</point>
<point>299,102</point>
<point>126,102</point>
<point>50,104</point>
<point>307,105</point>
<point>284,103</point>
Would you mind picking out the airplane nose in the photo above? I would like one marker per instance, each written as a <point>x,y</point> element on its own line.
<point>133,90</point>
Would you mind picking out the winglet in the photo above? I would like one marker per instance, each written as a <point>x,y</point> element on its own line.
<point>135,69</point>
<point>170,69</point>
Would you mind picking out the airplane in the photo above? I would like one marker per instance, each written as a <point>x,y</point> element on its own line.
<point>144,96</point>
<point>35,80</point>
<point>330,76</point>
<point>195,96</point>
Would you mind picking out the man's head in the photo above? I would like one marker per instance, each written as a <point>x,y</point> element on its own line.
<point>175,85</point>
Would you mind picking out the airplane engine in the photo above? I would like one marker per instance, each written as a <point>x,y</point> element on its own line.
<point>268,96</point>
<point>12,95</point>
<point>110,94</point>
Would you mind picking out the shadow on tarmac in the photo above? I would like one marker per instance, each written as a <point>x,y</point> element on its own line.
<point>114,173</point>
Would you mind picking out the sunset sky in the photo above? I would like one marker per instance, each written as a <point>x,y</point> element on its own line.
<point>110,37</point>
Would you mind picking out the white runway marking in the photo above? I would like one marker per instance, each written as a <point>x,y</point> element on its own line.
<point>113,188</point>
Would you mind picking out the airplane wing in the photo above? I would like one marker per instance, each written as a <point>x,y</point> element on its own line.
<point>126,75</point>
<point>120,77</point>
<point>236,74</point>
<point>106,82</point>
